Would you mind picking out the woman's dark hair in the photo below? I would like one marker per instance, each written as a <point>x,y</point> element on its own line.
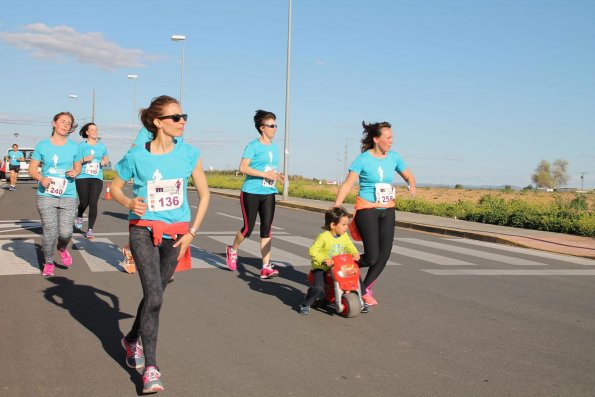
<point>371,131</point>
<point>260,116</point>
<point>72,126</point>
<point>334,215</point>
<point>155,110</point>
<point>83,130</point>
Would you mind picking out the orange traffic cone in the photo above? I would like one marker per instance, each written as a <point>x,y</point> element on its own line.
<point>108,195</point>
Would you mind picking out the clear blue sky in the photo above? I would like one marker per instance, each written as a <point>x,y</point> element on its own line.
<point>478,91</point>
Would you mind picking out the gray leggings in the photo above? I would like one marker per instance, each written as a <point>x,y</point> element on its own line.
<point>57,216</point>
<point>155,267</point>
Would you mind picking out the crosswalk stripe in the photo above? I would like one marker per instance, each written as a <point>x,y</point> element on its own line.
<point>429,257</point>
<point>510,272</point>
<point>528,251</point>
<point>18,257</point>
<point>306,243</point>
<point>100,254</point>
<point>471,252</point>
<point>203,259</point>
<point>278,256</point>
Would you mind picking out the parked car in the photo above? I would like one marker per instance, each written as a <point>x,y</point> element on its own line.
<point>24,171</point>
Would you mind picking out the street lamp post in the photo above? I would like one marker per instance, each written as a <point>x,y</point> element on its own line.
<point>182,38</point>
<point>287,86</point>
<point>133,77</point>
<point>75,96</point>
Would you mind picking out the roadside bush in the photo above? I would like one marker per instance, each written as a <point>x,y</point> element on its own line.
<point>575,216</point>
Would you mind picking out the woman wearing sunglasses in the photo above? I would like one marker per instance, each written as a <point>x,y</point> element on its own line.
<point>143,136</point>
<point>259,163</point>
<point>159,217</point>
<point>374,219</point>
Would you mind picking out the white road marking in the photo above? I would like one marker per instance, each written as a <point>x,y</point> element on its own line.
<point>510,272</point>
<point>528,251</point>
<point>101,254</point>
<point>18,257</point>
<point>471,252</point>
<point>278,256</point>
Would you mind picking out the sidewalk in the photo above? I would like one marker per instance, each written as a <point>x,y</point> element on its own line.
<point>544,241</point>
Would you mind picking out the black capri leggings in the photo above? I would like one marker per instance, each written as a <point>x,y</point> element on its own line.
<point>377,228</point>
<point>89,190</point>
<point>261,204</point>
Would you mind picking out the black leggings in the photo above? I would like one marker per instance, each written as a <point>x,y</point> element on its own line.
<point>261,204</point>
<point>155,267</point>
<point>89,190</point>
<point>377,228</point>
<point>316,290</point>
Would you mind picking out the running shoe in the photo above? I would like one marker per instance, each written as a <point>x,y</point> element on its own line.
<point>231,258</point>
<point>89,234</point>
<point>171,279</point>
<point>365,308</point>
<point>129,265</point>
<point>151,382</point>
<point>268,272</point>
<point>369,299</point>
<point>65,257</point>
<point>12,188</point>
<point>48,269</point>
<point>78,223</point>
<point>134,354</point>
<point>304,310</point>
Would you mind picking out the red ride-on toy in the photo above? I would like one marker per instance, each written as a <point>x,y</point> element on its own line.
<point>342,286</point>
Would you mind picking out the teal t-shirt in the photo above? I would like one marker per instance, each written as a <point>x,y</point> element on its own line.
<point>262,158</point>
<point>15,156</point>
<point>55,162</point>
<point>144,136</point>
<point>93,168</point>
<point>161,179</point>
<point>372,170</point>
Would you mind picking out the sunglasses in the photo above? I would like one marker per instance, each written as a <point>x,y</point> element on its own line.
<point>271,125</point>
<point>175,117</point>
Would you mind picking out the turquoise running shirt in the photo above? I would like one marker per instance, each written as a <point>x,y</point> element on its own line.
<point>55,162</point>
<point>161,179</point>
<point>93,168</point>
<point>15,156</point>
<point>262,158</point>
<point>372,170</point>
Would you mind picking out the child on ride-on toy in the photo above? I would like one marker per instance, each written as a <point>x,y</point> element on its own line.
<point>333,241</point>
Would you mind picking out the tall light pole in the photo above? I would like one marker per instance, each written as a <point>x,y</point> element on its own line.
<point>182,38</point>
<point>133,77</point>
<point>287,87</point>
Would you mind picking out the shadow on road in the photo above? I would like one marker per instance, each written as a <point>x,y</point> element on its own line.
<point>119,215</point>
<point>249,271</point>
<point>89,306</point>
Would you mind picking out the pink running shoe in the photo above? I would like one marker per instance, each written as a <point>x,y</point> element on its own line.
<point>151,381</point>
<point>134,354</point>
<point>65,257</point>
<point>231,258</point>
<point>268,272</point>
<point>369,299</point>
<point>48,269</point>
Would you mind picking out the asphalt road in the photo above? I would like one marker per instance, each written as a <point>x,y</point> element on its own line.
<point>455,317</point>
